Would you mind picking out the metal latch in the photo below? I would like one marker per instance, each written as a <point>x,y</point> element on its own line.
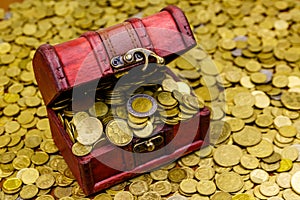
<point>134,56</point>
<point>149,145</point>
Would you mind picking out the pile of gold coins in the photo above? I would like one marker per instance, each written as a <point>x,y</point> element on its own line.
<point>150,106</point>
<point>246,68</point>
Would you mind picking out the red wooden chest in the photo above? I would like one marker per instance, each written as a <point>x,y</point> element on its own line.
<point>82,68</point>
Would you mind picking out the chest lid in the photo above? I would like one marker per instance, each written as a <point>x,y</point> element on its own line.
<point>96,57</point>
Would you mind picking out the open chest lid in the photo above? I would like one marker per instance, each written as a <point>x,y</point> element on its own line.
<point>108,52</point>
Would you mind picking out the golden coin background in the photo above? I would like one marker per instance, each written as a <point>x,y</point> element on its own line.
<point>249,48</point>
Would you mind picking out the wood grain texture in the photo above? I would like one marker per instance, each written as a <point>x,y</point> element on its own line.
<point>92,172</point>
<point>86,59</point>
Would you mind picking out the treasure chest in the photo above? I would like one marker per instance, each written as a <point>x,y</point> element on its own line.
<point>115,109</point>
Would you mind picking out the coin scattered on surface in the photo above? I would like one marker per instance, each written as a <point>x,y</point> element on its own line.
<point>227,155</point>
<point>249,136</point>
<point>229,182</point>
<point>259,176</point>
<point>177,175</point>
<point>262,149</point>
<point>81,150</point>
<point>138,188</point>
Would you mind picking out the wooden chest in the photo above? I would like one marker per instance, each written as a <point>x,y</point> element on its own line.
<point>73,75</point>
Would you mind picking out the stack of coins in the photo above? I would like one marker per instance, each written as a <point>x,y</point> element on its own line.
<point>150,105</point>
<point>141,108</point>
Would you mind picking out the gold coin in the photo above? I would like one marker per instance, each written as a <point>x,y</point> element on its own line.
<point>204,152</point>
<point>28,192</point>
<point>45,197</point>
<point>227,155</point>
<point>295,182</point>
<point>190,74</point>
<point>185,63</point>
<point>188,186</point>
<point>290,100</point>
<point>79,116</point>
<point>7,157</point>
<point>33,141</point>
<point>124,195</point>
<point>220,195</point>
<point>264,120</point>
<point>285,165</point>
<point>190,160</point>
<point>45,181</point>
<point>259,176</point>
<point>142,105</point>
<point>138,188</point>
<point>183,88</point>
<point>253,66</point>
<point>99,109</point>
<point>166,99</point>
<point>262,101</point>
<point>284,180</point>
<point>159,175</point>
<point>137,126</point>
<point>89,130</point>
<point>30,175</point>
<point>236,124</point>
<point>204,173</point>
<point>60,192</point>
<point>49,146</point>
<point>12,127</point>
<point>172,112</point>
<point>229,182</point>
<point>206,187</point>
<point>249,136</point>
<point>137,120</point>
<point>243,197</point>
<point>269,188</point>
<point>103,196</point>
<point>244,99</point>
<point>4,47</point>
<point>11,110</point>
<point>242,112</point>
<point>62,180</point>
<point>280,81</point>
<point>219,132</point>
<point>12,184</point>
<point>21,161</point>
<point>270,167</point>
<point>144,132</point>
<point>118,132</point>
<point>81,150</point>
<point>262,149</point>
<point>258,77</point>
<point>290,152</point>
<point>176,175</point>
<point>151,195</point>
<point>169,85</point>
<point>4,140</point>
<point>249,161</point>
<point>39,158</point>
<point>191,102</point>
<point>287,131</point>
